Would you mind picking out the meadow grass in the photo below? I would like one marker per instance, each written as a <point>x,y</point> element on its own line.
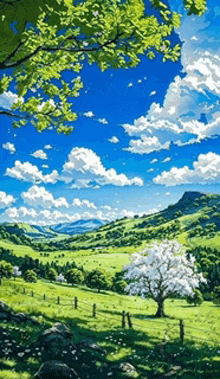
<point>140,346</point>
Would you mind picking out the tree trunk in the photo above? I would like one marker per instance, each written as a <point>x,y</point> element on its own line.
<point>160,309</point>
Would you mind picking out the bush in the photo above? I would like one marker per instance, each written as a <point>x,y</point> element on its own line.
<point>51,274</point>
<point>196,298</point>
<point>216,295</point>
<point>99,280</point>
<point>30,276</point>
<point>6,269</point>
<point>74,276</point>
<point>119,286</point>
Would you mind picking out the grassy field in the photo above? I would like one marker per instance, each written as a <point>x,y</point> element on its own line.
<point>198,357</point>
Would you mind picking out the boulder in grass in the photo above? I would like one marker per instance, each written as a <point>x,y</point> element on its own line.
<point>125,369</point>
<point>55,370</point>
<point>54,341</point>
<point>90,344</point>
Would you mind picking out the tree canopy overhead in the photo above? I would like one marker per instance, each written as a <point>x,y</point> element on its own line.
<point>41,40</point>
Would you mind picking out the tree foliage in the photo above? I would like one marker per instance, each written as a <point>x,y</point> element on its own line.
<point>30,276</point>
<point>99,280</point>
<point>162,271</point>
<point>216,295</point>
<point>43,40</point>
<point>51,274</point>
<point>6,269</point>
<point>195,298</point>
<point>74,276</point>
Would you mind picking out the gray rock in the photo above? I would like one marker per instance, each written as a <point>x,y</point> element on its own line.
<point>55,370</point>
<point>126,369</point>
<point>6,313</point>
<point>54,341</point>
<point>90,344</point>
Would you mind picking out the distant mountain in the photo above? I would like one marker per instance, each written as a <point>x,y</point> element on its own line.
<point>51,231</point>
<point>78,227</point>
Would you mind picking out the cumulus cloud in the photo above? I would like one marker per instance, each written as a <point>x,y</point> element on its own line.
<point>113,139</point>
<point>190,111</point>
<point>80,203</point>
<point>153,93</point>
<point>130,85</point>
<point>154,161</point>
<point>206,170</point>
<point>30,173</point>
<point>84,167</point>
<point>167,159</point>
<point>17,213</point>
<point>45,166</point>
<point>40,154</point>
<point>89,114</point>
<point>40,197</point>
<point>102,121</point>
<point>9,146</point>
<point>7,99</point>
<point>6,200</point>
<point>48,147</point>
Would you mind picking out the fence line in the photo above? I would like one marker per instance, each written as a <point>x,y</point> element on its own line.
<point>75,303</point>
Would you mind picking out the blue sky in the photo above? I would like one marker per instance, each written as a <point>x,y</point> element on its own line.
<point>142,138</point>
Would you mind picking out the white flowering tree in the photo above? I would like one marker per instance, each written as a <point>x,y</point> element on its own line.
<point>16,273</point>
<point>60,278</point>
<point>161,271</point>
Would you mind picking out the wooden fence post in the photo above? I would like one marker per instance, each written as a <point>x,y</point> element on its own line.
<point>94,310</point>
<point>75,302</point>
<point>123,324</point>
<point>58,300</point>
<point>129,321</point>
<point>44,297</point>
<point>182,332</point>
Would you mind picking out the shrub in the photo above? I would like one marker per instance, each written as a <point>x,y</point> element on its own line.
<point>74,276</point>
<point>30,276</point>
<point>6,269</point>
<point>216,295</point>
<point>196,298</point>
<point>98,279</point>
<point>51,274</point>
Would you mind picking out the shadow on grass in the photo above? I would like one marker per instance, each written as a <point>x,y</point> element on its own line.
<point>153,358</point>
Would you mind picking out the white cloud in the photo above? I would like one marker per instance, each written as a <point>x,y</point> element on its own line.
<point>45,166</point>
<point>206,170</point>
<point>40,154</point>
<point>102,121</point>
<point>106,207</point>
<point>188,97</point>
<point>30,173</point>
<point>150,170</point>
<point>40,197</point>
<point>80,203</point>
<point>146,145</point>
<point>6,200</point>
<point>113,139</point>
<point>10,147</point>
<point>167,193</point>
<point>139,81</point>
<point>154,161</point>
<point>48,147</point>
<point>7,99</point>
<point>153,93</point>
<point>89,114</point>
<point>85,168</point>
<point>130,85</point>
<point>18,213</point>
<point>167,159</point>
